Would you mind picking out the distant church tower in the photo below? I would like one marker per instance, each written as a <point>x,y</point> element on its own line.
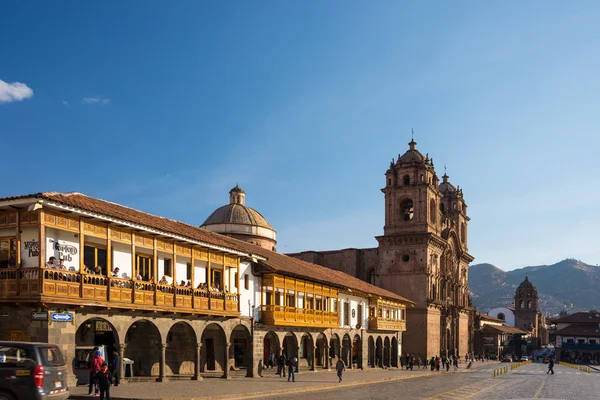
<point>423,255</point>
<point>527,312</point>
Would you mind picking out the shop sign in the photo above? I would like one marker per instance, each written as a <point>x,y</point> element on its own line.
<point>103,326</point>
<point>62,317</point>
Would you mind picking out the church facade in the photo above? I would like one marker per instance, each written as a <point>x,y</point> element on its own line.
<point>422,255</point>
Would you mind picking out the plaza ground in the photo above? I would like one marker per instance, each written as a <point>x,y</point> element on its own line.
<point>526,382</point>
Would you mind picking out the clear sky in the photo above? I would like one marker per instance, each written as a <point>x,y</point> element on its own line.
<point>165,106</point>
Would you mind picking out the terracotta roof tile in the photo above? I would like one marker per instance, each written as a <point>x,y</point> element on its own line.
<point>580,330</point>
<point>579,317</point>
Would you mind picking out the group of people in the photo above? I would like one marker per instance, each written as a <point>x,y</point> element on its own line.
<point>408,362</point>
<point>291,364</point>
<point>101,377</point>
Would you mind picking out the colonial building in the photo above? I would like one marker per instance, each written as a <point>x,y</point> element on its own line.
<point>175,299</point>
<point>577,338</point>
<point>494,338</point>
<point>528,316</point>
<point>422,255</point>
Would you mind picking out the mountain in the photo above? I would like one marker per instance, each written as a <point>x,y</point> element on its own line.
<point>567,285</point>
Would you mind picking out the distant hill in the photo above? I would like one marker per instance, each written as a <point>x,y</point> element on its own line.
<point>569,284</point>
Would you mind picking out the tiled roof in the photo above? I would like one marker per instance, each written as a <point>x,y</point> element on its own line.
<point>579,318</point>
<point>489,318</point>
<point>237,214</point>
<point>511,330</point>
<point>274,261</point>
<point>580,330</point>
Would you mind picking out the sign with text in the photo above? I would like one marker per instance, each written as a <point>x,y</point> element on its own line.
<point>62,317</point>
<point>39,316</point>
<point>103,326</point>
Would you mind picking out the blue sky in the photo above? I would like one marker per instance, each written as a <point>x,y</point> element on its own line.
<point>165,106</point>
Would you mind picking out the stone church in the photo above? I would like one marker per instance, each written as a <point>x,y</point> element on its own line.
<point>422,255</point>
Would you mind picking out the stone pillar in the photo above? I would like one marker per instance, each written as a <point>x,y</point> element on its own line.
<point>226,366</point>
<point>162,366</point>
<point>314,359</point>
<point>297,357</point>
<point>197,362</point>
<point>389,361</point>
<point>327,366</point>
<point>249,358</point>
<point>350,355</point>
<point>122,355</point>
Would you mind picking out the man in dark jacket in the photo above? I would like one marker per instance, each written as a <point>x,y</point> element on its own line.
<point>115,366</point>
<point>104,381</point>
<point>281,364</point>
<point>551,366</point>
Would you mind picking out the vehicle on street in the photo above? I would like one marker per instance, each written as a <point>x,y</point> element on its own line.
<point>525,358</point>
<point>507,359</point>
<point>32,371</point>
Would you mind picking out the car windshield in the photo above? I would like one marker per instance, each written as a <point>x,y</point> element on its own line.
<point>51,356</point>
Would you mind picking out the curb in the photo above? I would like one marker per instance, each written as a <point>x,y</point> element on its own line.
<point>271,393</point>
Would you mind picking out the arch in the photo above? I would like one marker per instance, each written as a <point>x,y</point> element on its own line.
<point>241,348</point>
<point>334,346</point>
<point>529,302</point>
<point>371,352</point>
<point>432,211</point>
<point>347,349</point>
<point>290,345</point>
<point>387,352</point>
<point>94,332</point>
<point>407,210</point>
<point>521,304</point>
<point>214,342</point>
<point>271,349</point>
<point>379,352</point>
<point>394,352</point>
<point>357,351</point>
<point>371,276</point>
<point>502,316</point>
<point>142,342</point>
<point>321,351</point>
<point>180,352</point>
<point>307,348</point>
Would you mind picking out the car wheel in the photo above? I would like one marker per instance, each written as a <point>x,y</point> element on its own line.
<point>6,396</point>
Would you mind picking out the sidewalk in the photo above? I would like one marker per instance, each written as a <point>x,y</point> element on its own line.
<point>238,387</point>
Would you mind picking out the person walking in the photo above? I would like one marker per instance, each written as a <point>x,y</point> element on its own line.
<point>425,362</point>
<point>456,364</point>
<point>95,363</point>
<point>438,364</point>
<point>271,360</point>
<point>281,365</point>
<point>447,364</point>
<point>432,363</point>
<point>291,364</point>
<point>115,367</point>
<point>104,378</point>
<point>551,366</point>
<point>340,367</point>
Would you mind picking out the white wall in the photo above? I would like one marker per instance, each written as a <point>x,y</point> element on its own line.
<point>63,243</point>
<point>30,247</point>
<point>121,258</point>
<point>509,315</point>
<point>199,272</point>
<point>181,268</point>
<point>354,302</point>
<point>250,297</point>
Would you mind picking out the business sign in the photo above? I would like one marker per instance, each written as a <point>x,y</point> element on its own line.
<point>62,317</point>
<point>103,326</point>
<point>39,316</point>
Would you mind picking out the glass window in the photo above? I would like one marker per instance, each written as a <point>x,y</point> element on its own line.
<point>144,266</point>
<point>246,282</point>
<point>51,356</point>
<point>93,255</point>
<point>8,249</point>
<point>167,267</point>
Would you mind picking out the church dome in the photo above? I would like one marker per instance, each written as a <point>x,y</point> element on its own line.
<point>527,285</point>
<point>412,154</point>
<point>446,186</point>
<point>238,220</point>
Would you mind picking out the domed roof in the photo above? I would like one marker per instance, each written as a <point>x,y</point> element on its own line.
<point>237,214</point>
<point>446,186</point>
<point>412,154</point>
<point>526,284</point>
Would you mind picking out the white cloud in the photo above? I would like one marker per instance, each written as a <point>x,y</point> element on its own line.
<point>15,91</point>
<point>96,100</point>
<point>66,104</point>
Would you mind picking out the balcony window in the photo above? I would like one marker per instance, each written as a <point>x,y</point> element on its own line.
<point>580,341</point>
<point>319,304</point>
<point>310,303</point>
<point>380,312</point>
<point>290,300</point>
<point>360,315</point>
<point>8,252</point>
<point>94,255</point>
<point>346,313</point>
<point>144,266</point>
<point>593,341</point>
<point>167,265</point>
<point>268,298</point>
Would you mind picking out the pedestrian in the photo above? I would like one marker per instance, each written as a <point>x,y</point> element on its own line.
<point>551,366</point>
<point>95,365</point>
<point>281,365</point>
<point>115,367</point>
<point>432,363</point>
<point>292,362</point>
<point>438,363</point>
<point>425,362</point>
<point>456,364</point>
<point>402,362</point>
<point>271,360</point>
<point>104,381</point>
<point>411,363</point>
<point>447,364</point>
<point>340,367</point>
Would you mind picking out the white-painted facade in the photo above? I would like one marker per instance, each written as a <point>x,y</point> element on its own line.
<point>509,315</point>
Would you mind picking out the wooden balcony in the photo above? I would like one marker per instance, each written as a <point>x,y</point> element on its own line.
<point>292,316</point>
<point>385,324</point>
<point>74,288</point>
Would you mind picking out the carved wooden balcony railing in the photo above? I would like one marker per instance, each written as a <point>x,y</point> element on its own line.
<point>385,324</point>
<point>292,316</point>
<point>69,287</point>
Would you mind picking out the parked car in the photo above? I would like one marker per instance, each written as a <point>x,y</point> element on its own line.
<point>525,358</point>
<point>32,371</point>
<point>507,359</point>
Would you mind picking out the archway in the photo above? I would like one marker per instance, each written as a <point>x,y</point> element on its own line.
<point>321,356</point>
<point>334,347</point>
<point>394,352</point>
<point>347,350</point>
<point>142,347</point>
<point>180,353</point>
<point>371,353</point>
<point>379,353</point>
<point>307,348</point>
<point>357,352</point>
<point>214,354</point>
<point>241,348</point>
<point>271,349</point>
<point>93,332</point>
<point>386,352</point>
